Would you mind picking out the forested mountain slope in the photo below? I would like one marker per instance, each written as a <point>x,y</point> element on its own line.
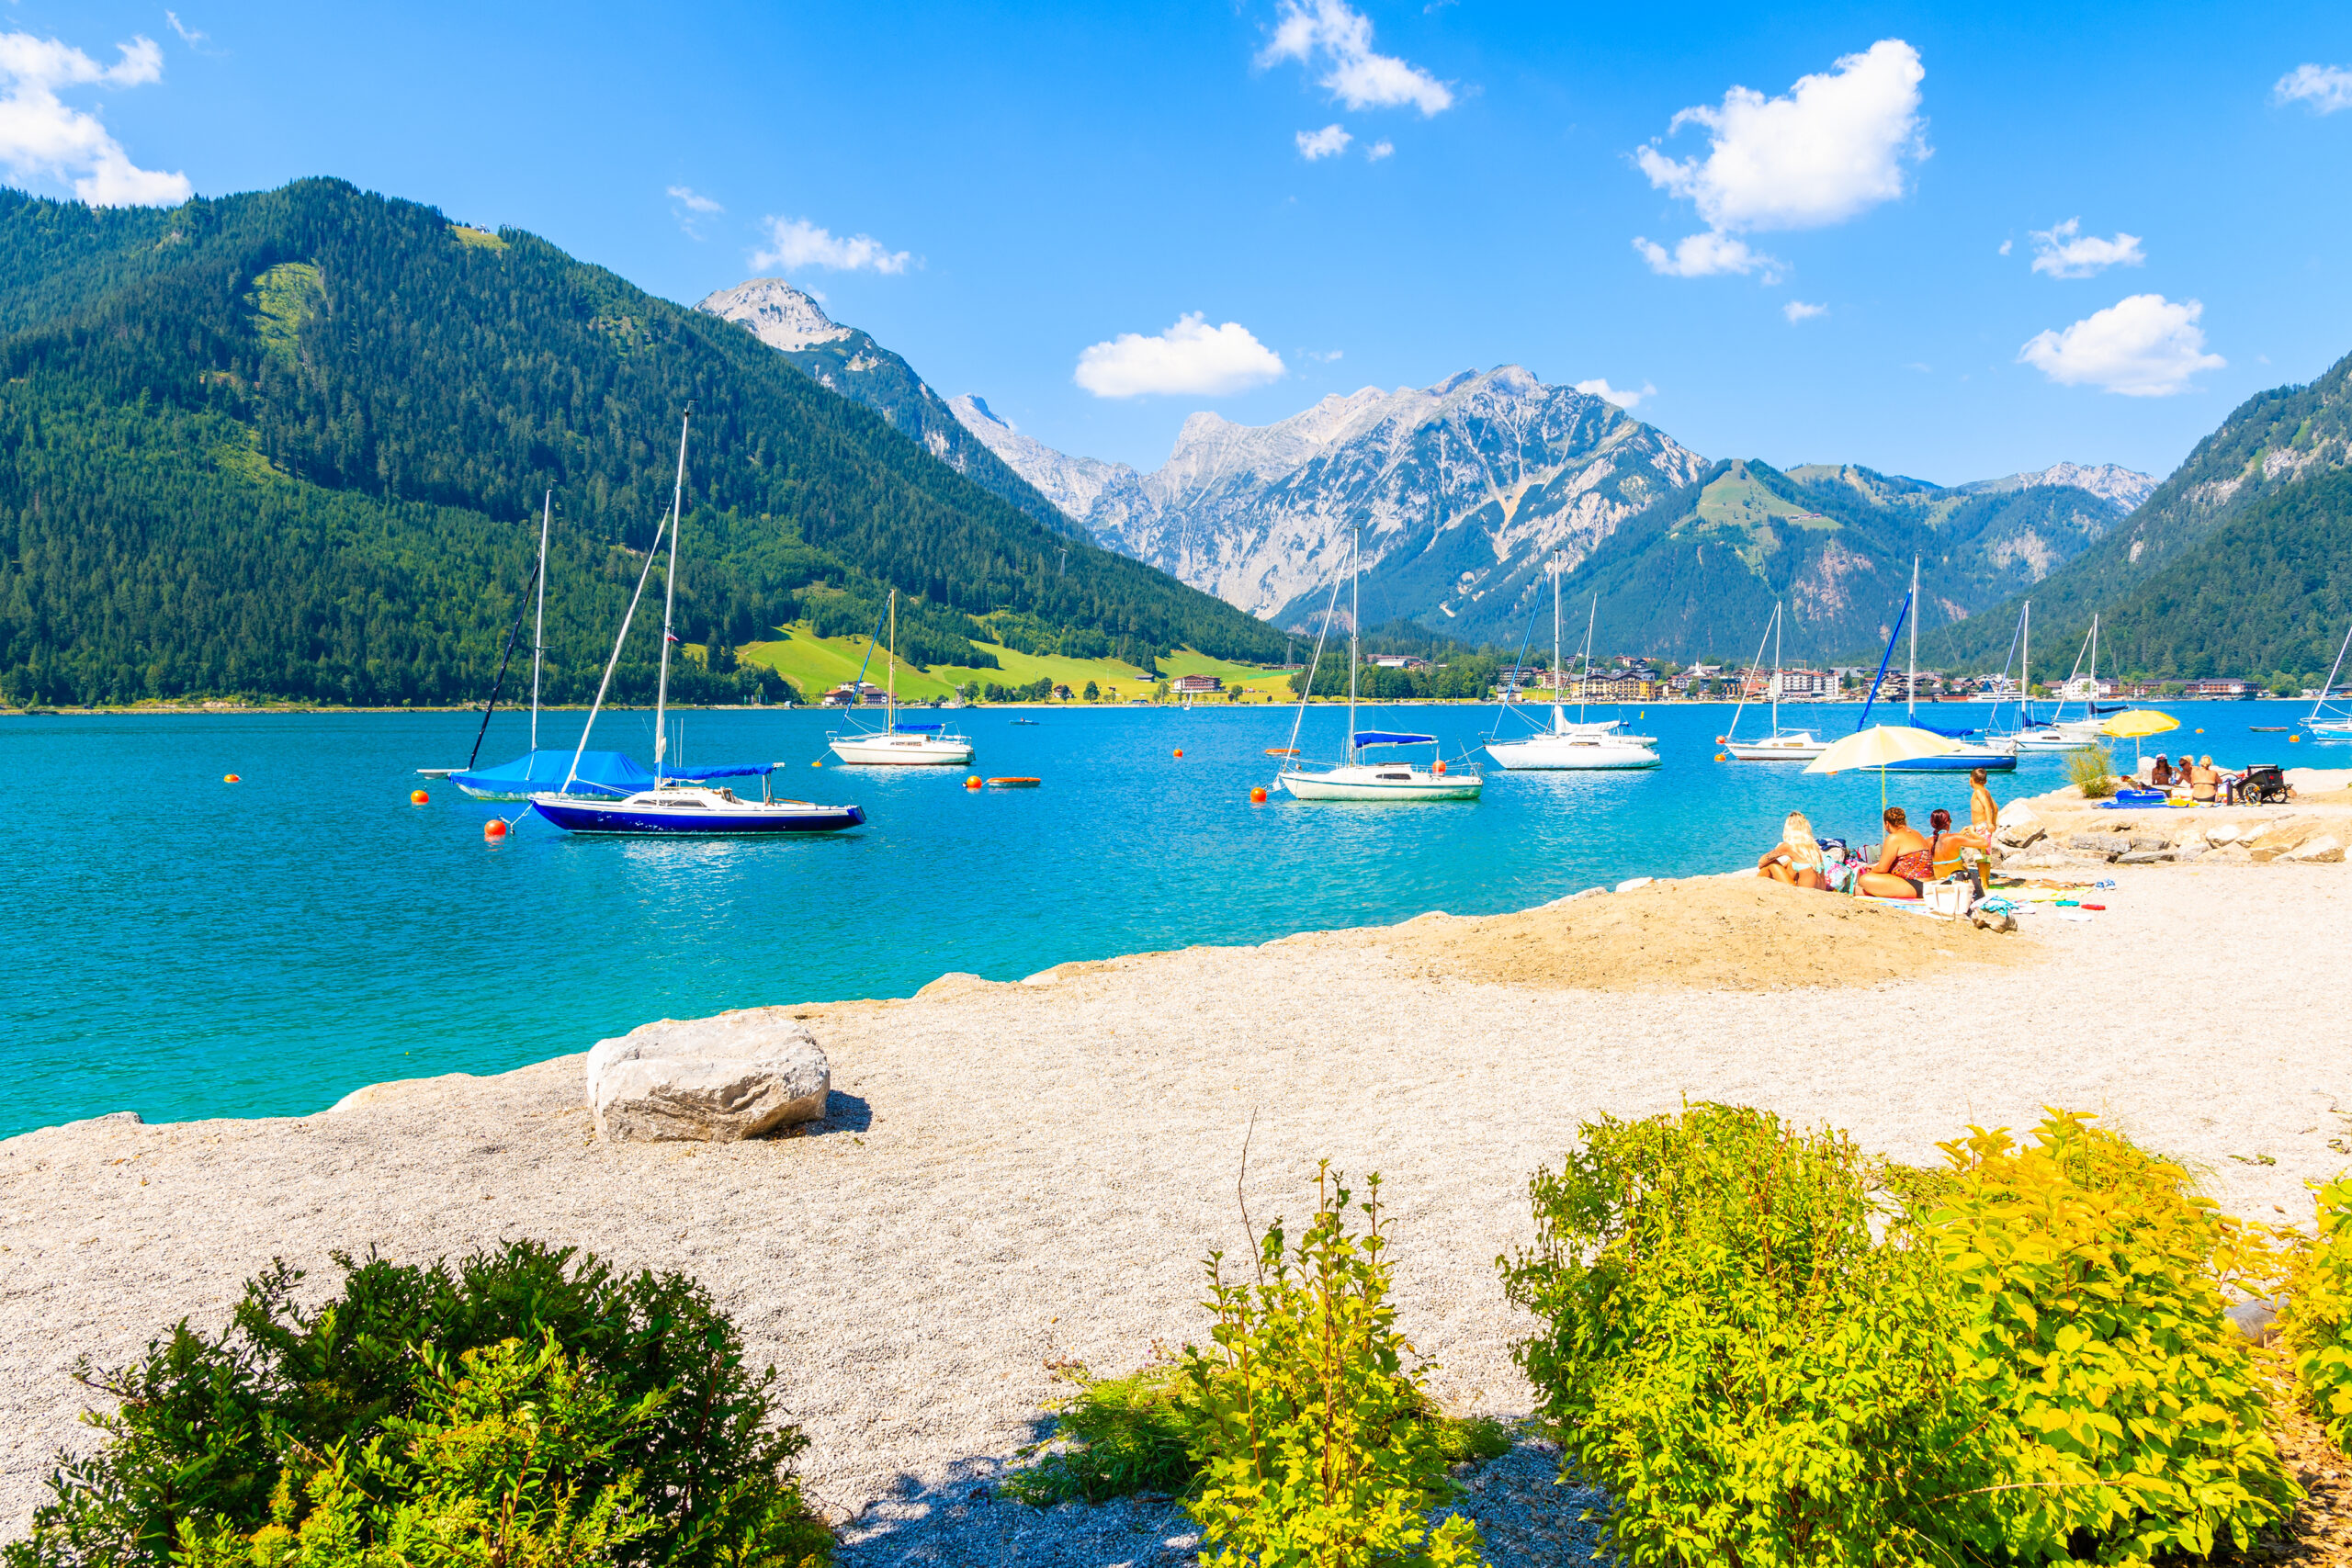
<point>1697,574</point>
<point>294,443</point>
<point>2202,530</point>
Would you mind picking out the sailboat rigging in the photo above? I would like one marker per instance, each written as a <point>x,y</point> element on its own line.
<point>1352,778</point>
<point>1994,758</point>
<point>895,744</point>
<point>2324,724</point>
<point>1580,745</point>
<point>680,800</point>
<point>1779,745</point>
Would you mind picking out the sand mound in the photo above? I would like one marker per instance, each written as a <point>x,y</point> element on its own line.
<point>1729,933</point>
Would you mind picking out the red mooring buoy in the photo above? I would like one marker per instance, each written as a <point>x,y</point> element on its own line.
<point>493,829</point>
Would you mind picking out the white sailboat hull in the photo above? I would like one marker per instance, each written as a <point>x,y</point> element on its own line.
<point>1791,746</point>
<point>1571,751</point>
<point>2053,739</point>
<point>1388,783</point>
<point>902,751</point>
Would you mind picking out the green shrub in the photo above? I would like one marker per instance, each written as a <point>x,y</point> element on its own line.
<point>498,1465</point>
<point>1315,1455</point>
<point>1145,1432</point>
<point>2129,1408</point>
<point>1730,1356</point>
<point>205,1428</point>
<point>2318,1327</point>
<point>2092,770</point>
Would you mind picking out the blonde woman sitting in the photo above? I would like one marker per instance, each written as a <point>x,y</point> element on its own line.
<point>1796,859</point>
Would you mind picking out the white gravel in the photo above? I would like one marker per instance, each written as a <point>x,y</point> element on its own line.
<point>1016,1173</point>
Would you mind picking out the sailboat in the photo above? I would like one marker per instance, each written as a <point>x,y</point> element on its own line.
<point>2335,724</point>
<point>1580,745</point>
<point>516,780</point>
<point>1994,758</point>
<point>2089,730</point>
<point>678,801</point>
<point>2032,736</point>
<point>895,744</point>
<point>1354,778</point>
<point>1780,745</point>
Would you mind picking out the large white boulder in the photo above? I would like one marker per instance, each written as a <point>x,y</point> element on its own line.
<point>2017,826</point>
<point>713,1079</point>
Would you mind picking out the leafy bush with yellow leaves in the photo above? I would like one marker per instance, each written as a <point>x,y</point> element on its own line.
<point>1768,1348</point>
<point>2087,1272</point>
<point>2318,1324</point>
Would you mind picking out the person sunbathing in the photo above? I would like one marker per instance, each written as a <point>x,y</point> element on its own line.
<point>1796,859</point>
<point>2160,776</point>
<point>2204,781</point>
<point>1904,862</point>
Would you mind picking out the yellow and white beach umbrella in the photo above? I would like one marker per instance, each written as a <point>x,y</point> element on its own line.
<point>1879,747</point>
<point>2135,723</point>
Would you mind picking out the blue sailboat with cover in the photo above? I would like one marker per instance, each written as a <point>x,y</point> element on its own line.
<point>604,791</point>
<point>1992,756</point>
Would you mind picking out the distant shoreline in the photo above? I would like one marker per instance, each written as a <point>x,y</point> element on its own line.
<point>219,708</point>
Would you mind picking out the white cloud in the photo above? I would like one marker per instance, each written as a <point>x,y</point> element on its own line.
<point>1355,75</point>
<point>1379,150</point>
<point>1190,356</point>
<point>1835,146</point>
<point>2064,250</point>
<point>1322,357</point>
<point>693,200</point>
<point>1323,143</point>
<point>795,243</point>
<point>2326,88</point>
<point>41,137</point>
<point>188,35</point>
<point>2144,346</point>
<point>1624,398</point>
<point>1798,310</point>
<point>1703,256</point>
<point>2006,245</point>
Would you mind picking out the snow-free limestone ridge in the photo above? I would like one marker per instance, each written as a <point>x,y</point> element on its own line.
<point>846,360</point>
<point>1464,489</point>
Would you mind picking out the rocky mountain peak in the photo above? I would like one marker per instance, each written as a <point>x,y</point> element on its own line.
<point>781,316</point>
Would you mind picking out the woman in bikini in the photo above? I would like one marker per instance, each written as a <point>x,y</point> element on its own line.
<point>1984,811</point>
<point>1796,859</point>
<point>1904,862</point>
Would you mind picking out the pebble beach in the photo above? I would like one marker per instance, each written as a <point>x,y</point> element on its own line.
<point>1010,1175</point>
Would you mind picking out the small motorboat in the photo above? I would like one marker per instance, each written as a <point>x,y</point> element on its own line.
<point>1014,783</point>
<point>700,810</point>
<point>1029,721</point>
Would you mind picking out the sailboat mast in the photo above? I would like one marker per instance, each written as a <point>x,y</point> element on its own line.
<point>2025,670</point>
<point>669,601</point>
<point>1557,673</point>
<point>539,626</point>
<point>1776,670</point>
<point>1584,677</point>
<point>1356,632</point>
<point>1911,681</point>
<point>891,672</point>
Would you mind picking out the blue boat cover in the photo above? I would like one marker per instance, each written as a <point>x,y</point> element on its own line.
<point>916,728</point>
<point>1391,737</point>
<point>1940,729</point>
<point>601,773</point>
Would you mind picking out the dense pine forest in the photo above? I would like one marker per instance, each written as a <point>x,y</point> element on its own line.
<point>2240,564</point>
<point>293,444</point>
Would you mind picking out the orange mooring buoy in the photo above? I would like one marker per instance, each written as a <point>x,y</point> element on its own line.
<point>231,778</point>
<point>971,781</point>
<point>1441,767</point>
<point>493,829</point>
<point>1180,752</point>
<point>418,797</point>
<point>1258,795</point>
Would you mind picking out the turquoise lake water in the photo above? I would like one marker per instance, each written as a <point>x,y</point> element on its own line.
<point>184,948</point>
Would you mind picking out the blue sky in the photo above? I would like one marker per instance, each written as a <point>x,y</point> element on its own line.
<point>1036,181</point>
